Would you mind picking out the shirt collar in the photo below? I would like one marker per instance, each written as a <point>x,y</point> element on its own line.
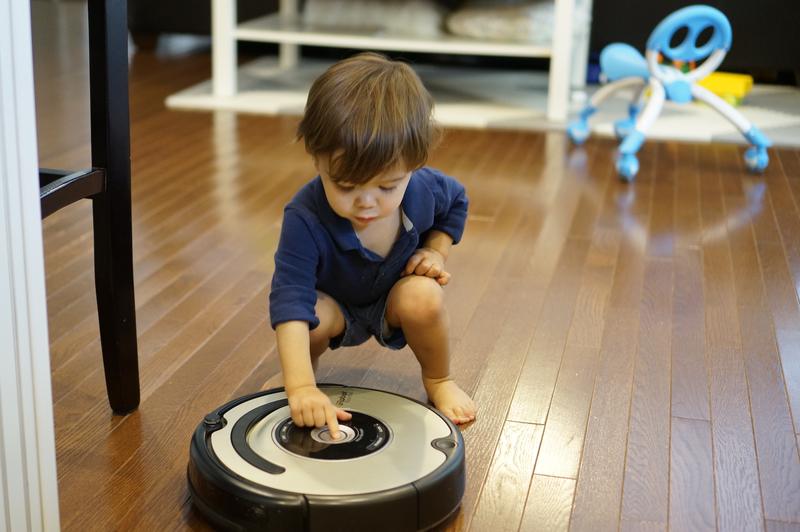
<point>342,230</point>
<point>408,204</point>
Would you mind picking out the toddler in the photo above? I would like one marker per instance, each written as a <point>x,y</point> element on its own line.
<point>363,245</point>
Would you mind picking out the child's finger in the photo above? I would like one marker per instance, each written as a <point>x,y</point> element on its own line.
<point>443,279</point>
<point>423,267</point>
<point>319,416</point>
<point>434,271</point>
<point>343,415</point>
<point>308,417</point>
<point>333,423</point>
<point>297,417</point>
<point>412,263</point>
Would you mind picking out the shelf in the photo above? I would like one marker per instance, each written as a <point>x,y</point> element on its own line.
<point>272,28</point>
<point>465,97</point>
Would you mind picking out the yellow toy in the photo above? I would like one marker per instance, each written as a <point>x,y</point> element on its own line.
<point>730,87</point>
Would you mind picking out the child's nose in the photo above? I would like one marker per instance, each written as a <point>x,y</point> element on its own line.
<point>366,199</point>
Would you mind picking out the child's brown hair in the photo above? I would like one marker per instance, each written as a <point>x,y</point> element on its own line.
<point>368,114</point>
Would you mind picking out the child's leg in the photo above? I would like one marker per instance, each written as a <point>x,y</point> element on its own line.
<point>416,305</point>
<point>331,324</point>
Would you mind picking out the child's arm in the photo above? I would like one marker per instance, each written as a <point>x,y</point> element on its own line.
<point>294,352</point>
<point>449,218</point>
<point>292,301</point>
<point>309,406</point>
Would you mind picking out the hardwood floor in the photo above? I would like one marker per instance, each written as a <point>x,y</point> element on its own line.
<point>634,348</point>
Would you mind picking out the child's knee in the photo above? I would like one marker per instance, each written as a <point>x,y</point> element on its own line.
<point>421,300</point>
<point>318,334</point>
<point>331,320</point>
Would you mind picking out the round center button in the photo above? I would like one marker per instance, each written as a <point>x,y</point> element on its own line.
<point>323,435</point>
<point>360,436</point>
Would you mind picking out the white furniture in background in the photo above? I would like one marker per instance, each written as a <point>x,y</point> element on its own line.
<point>28,486</point>
<point>568,53</point>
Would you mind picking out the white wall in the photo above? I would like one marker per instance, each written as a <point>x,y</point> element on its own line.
<point>28,487</point>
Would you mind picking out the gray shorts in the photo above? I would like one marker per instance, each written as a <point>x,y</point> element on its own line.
<point>361,322</point>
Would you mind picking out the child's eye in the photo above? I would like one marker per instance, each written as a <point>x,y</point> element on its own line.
<point>345,188</point>
<point>388,189</point>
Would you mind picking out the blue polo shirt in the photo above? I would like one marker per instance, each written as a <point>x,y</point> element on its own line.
<point>319,250</point>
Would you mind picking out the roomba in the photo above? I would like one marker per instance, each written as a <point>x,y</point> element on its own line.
<point>398,464</point>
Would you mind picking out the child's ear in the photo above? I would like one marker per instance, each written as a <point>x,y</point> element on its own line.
<point>318,160</point>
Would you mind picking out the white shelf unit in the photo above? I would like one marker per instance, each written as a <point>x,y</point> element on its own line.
<point>568,53</point>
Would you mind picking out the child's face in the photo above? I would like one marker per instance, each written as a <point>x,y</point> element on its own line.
<point>367,203</point>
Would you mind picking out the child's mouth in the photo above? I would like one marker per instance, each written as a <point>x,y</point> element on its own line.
<point>365,219</point>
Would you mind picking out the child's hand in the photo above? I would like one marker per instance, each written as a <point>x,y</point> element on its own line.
<point>312,408</point>
<point>427,262</point>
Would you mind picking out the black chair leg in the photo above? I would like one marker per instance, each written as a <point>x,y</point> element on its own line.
<point>113,242</point>
<point>113,271</point>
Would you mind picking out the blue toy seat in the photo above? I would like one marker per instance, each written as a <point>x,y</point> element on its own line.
<point>620,60</point>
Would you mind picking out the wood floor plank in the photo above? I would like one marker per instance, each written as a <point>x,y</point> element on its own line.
<point>746,268</point>
<point>689,387</point>
<point>661,231</point>
<point>790,163</point>
<point>486,202</point>
<point>628,525</point>
<point>691,491</point>
<point>562,441</point>
<point>787,217</point>
<point>549,504</point>
<point>789,349</point>
<point>765,226</point>
<point>597,279</point>
<point>627,289</point>
<point>524,293</point>
<point>718,287</point>
<point>778,459</point>
<point>598,492</point>
<point>596,165</point>
<point>780,289</point>
<point>782,302</point>
<point>771,416</point>
<point>738,490</point>
<point>502,501</point>
<point>779,526</point>
<point>646,481</point>
<point>535,386</point>
<point>688,229</point>
<point>494,394</point>
<point>567,417</point>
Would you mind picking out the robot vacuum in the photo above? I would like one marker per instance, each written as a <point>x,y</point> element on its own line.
<point>397,465</point>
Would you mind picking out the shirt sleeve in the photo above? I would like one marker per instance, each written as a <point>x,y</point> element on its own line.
<point>293,295</point>
<point>451,207</point>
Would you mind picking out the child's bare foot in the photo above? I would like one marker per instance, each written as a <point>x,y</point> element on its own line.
<point>451,400</point>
